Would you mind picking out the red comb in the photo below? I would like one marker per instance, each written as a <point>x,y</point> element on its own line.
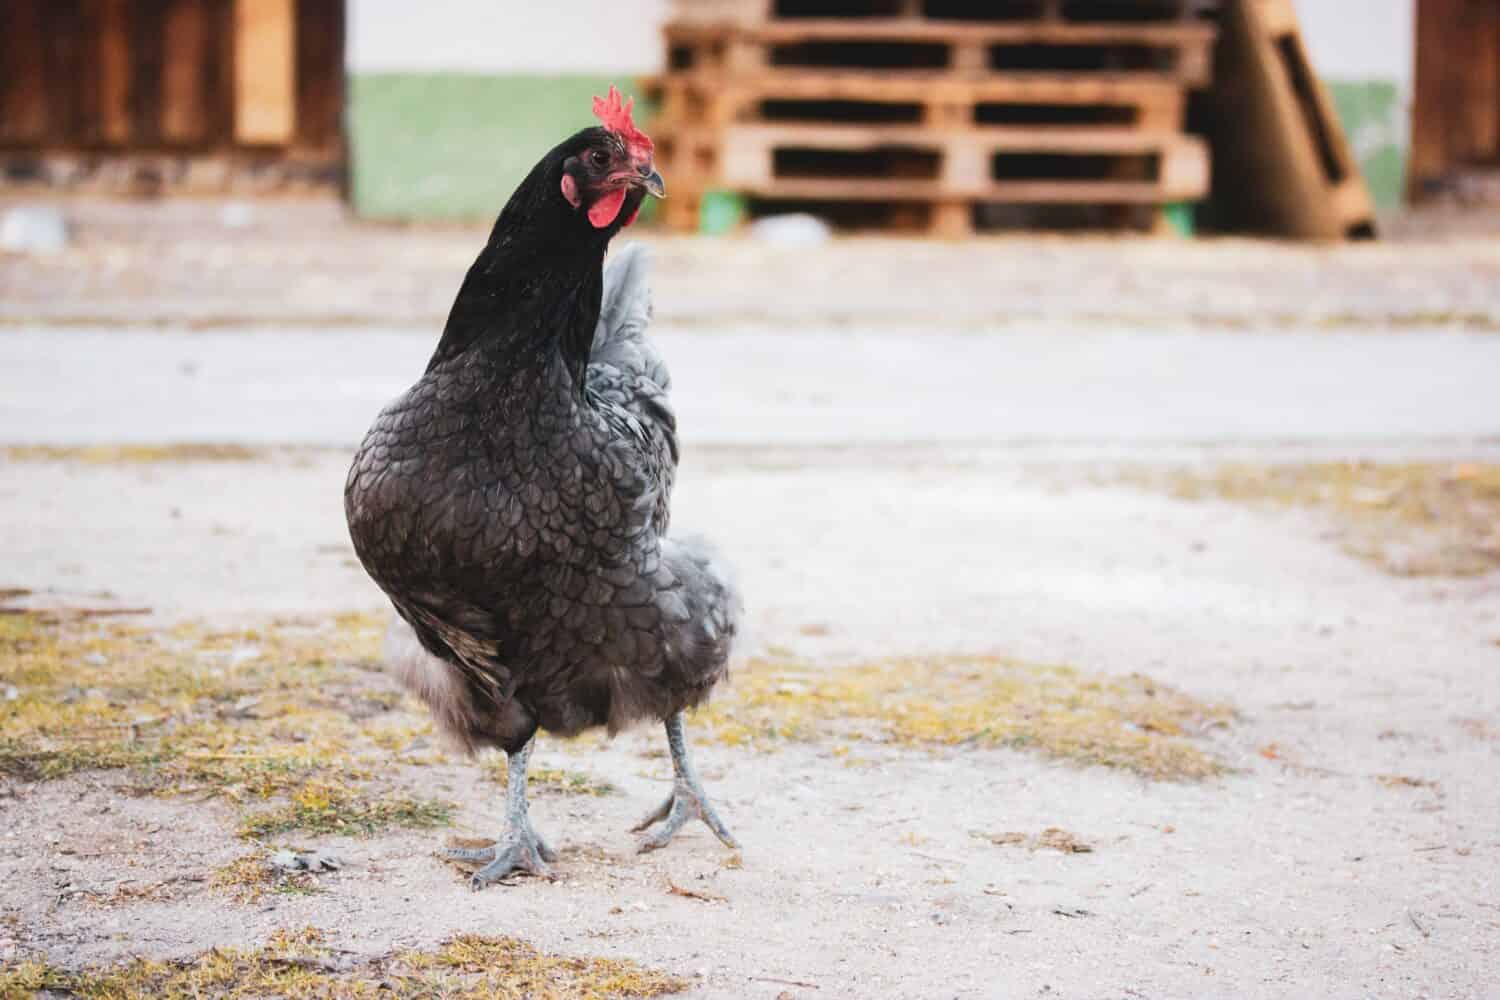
<point>616,117</point>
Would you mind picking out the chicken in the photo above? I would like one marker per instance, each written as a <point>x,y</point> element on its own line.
<point>513,503</point>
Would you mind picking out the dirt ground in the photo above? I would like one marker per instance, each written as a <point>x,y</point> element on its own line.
<point>1308,806</point>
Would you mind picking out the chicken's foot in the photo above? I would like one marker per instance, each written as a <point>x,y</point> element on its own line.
<point>521,849</point>
<point>687,801</point>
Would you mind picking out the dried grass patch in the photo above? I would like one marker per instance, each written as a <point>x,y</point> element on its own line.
<point>302,964</point>
<point>1128,722</point>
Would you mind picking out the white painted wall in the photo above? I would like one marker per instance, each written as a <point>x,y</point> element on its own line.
<point>1361,39</point>
<point>1348,39</point>
<point>506,36</point>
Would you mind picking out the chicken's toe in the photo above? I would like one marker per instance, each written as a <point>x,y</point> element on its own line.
<point>515,857</point>
<point>686,802</point>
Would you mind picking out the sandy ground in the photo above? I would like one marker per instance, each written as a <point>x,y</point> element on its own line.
<point>905,491</point>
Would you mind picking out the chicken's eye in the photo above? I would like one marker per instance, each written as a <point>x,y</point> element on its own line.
<point>599,158</point>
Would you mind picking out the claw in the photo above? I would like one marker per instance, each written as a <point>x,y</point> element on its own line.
<point>519,856</point>
<point>656,815</point>
<point>519,851</point>
<point>685,803</point>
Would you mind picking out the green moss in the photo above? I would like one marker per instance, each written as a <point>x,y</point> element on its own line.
<point>320,807</point>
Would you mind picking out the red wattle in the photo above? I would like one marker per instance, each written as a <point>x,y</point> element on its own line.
<point>603,211</point>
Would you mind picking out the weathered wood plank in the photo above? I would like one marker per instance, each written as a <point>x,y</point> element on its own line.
<point>1079,192</point>
<point>147,51</point>
<point>23,85</point>
<point>68,82</point>
<point>112,41</point>
<point>320,75</point>
<point>996,139</point>
<point>999,32</point>
<point>185,42</point>
<point>265,72</point>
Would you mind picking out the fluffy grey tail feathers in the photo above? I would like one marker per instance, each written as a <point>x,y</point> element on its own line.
<point>705,640</point>
<point>441,685</point>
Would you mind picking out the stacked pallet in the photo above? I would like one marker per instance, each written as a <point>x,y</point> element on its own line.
<point>930,113</point>
<point>191,96</point>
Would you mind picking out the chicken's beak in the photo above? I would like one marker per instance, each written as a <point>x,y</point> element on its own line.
<point>652,182</point>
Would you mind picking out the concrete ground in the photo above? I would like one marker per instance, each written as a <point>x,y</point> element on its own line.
<point>903,460</point>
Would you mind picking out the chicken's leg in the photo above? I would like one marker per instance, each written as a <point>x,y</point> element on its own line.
<point>687,801</point>
<point>520,850</point>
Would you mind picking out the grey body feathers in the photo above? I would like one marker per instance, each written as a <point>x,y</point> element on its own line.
<point>518,522</point>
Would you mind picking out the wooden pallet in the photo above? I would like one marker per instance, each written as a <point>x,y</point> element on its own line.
<point>759,11</point>
<point>1139,100</point>
<point>1036,166</point>
<point>951,169</point>
<point>148,86</point>
<point>1180,51</point>
<point>936,105</point>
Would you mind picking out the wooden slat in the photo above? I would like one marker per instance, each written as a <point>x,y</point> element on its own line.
<point>113,40</point>
<point>1481,112</point>
<point>185,43</point>
<point>965,159</point>
<point>992,138</point>
<point>147,50</point>
<point>221,76</point>
<point>936,85</point>
<point>23,84</point>
<point>68,81</point>
<point>320,75</point>
<point>265,72</point>
<point>1009,192</point>
<point>994,33</point>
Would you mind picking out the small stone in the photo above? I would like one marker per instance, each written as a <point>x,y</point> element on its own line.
<point>237,215</point>
<point>34,229</point>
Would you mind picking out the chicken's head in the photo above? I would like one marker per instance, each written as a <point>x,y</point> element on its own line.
<point>612,169</point>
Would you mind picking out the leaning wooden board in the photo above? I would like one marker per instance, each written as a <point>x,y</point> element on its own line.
<point>1282,164</point>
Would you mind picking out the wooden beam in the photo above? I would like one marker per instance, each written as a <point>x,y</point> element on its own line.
<point>184,114</point>
<point>113,19</point>
<point>320,75</point>
<point>265,85</point>
<point>69,83</point>
<point>147,34</point>
<point>23,84</point>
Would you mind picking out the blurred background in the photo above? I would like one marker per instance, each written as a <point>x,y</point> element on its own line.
<point>1302,118</point>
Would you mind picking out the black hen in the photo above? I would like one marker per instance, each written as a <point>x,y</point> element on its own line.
<point>513,503</point>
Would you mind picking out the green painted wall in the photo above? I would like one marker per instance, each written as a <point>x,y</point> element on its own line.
<point>1375,122</point>
<point>454,145</point>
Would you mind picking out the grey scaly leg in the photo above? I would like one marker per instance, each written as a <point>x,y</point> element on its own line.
<point>687,801</point>
<point>520,850</point>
